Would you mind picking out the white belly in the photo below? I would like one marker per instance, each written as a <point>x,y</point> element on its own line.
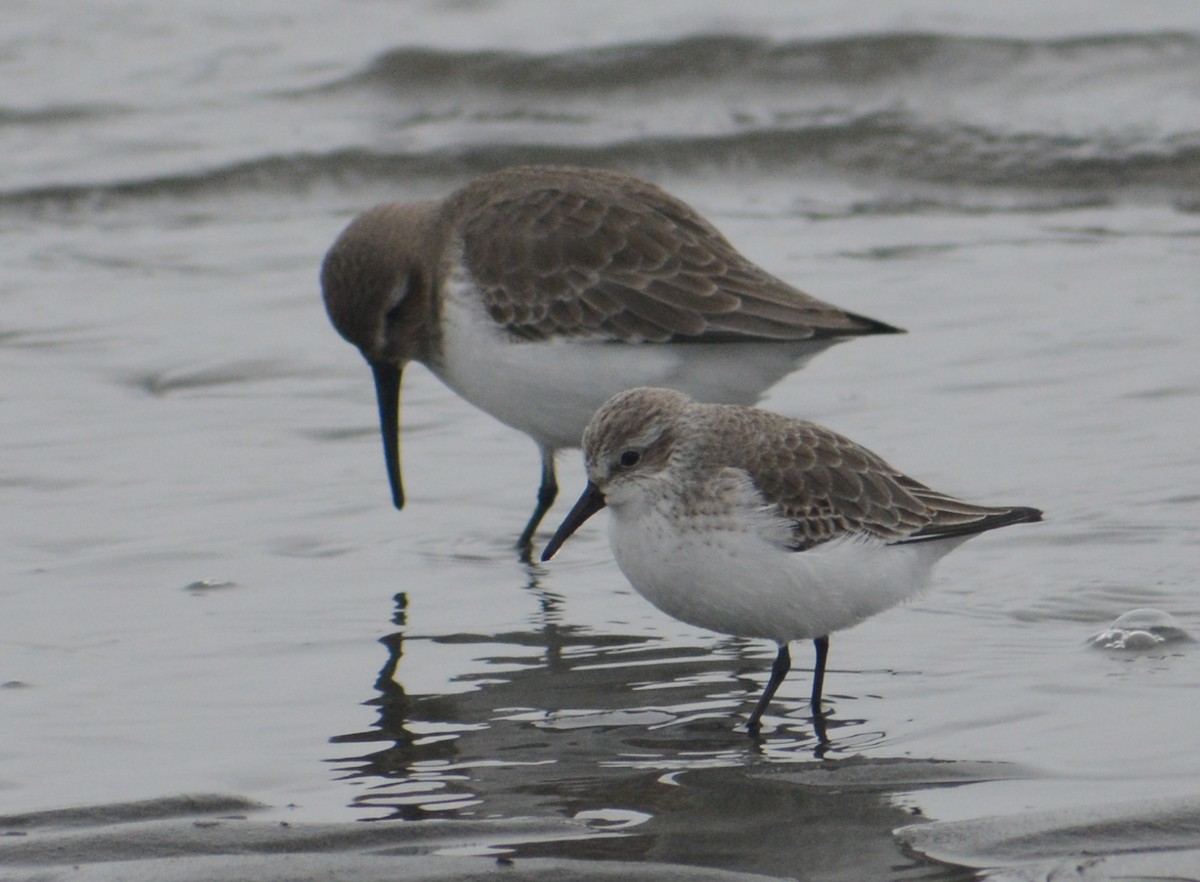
<point>742,583</point>
<point>550,389</point>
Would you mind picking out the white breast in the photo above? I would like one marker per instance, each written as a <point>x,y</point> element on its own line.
<point>550,389</point>
<point>742,582</point>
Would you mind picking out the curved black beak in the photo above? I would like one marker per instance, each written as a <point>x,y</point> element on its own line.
<point>387,392</point>
<point>589,503</point>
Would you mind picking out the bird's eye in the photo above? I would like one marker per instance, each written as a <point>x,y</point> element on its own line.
<point>397,313</point>
<point>630,458</point>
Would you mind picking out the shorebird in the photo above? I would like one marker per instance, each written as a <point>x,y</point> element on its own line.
<point>745,522</point>
<point>537,292</point>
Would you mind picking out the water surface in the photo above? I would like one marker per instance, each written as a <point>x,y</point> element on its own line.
<point>205,588</point>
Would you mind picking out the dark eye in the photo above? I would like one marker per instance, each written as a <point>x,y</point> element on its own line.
<point>395,314</point>
<point>630,458</point>
<point>411,287</point>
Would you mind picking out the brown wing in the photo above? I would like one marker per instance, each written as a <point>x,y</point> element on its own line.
<point>829,486</point>
<point>581,252</point>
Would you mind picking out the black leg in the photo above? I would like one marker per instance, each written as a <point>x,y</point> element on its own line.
<point>822,646</point>
<point>547,493</point>
<point>779,670</point>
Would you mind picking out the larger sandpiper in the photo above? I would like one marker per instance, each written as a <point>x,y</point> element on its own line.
<point>749,523</point>
<point>517,289</point>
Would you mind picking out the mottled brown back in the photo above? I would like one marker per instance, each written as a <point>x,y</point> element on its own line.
<point>829,486</point>
<point>578,252</point>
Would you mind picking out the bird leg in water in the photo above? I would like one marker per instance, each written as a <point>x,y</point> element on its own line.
<point>779,670</point>
<point>547,493</point>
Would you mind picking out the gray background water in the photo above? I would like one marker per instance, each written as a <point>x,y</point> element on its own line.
<point>199,557</point>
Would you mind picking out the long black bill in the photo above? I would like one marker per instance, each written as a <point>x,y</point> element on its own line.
<point>387,392</point>
<point>589,503</point>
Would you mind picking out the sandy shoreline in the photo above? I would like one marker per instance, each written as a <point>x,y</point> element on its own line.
<point>192,838</point>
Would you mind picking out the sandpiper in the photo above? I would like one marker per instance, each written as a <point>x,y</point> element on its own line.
<point>749,523</point>
<point>516,289</point>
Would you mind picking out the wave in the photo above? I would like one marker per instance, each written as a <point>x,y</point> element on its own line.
<point>54,115</point>
<point>1047,171</point>
<point>704,58</point>
<point>946,120</point>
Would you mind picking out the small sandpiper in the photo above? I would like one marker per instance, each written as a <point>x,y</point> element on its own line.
<point>749,523</point>
<point>538,292</point>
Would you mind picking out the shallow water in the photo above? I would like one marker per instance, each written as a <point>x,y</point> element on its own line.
<point>205,587</point>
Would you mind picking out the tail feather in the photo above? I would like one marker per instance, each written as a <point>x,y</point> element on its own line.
<point>989,518</point>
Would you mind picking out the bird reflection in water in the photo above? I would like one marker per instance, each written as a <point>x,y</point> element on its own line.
<point>595,706</point>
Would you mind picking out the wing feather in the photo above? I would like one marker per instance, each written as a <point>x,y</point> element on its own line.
<point>540,240</point>
<point>827,486</point>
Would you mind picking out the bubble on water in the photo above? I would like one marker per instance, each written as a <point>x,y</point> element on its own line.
<point>1141,629</point>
